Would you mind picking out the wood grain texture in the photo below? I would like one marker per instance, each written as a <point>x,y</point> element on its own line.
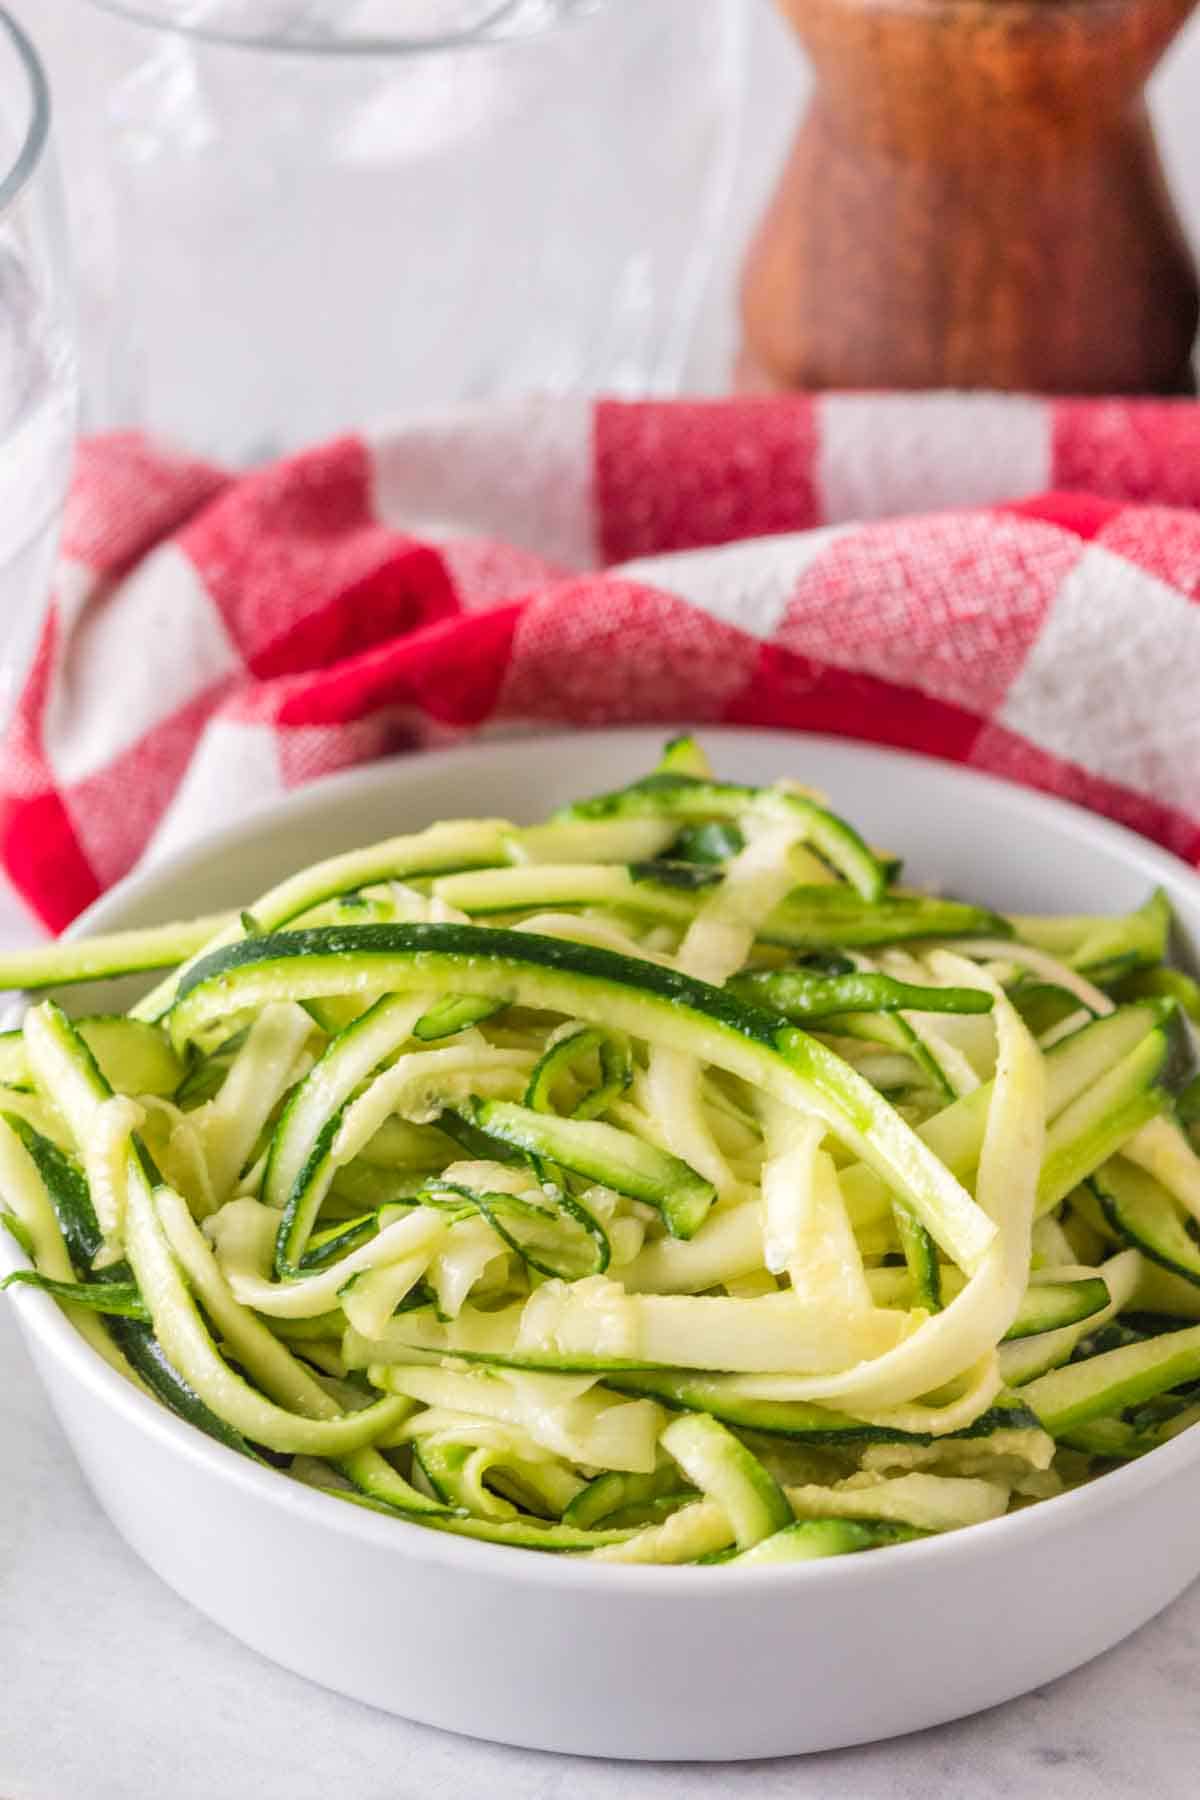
<point>974,199</point>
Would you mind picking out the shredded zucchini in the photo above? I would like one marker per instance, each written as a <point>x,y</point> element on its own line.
<point>660,1183</point>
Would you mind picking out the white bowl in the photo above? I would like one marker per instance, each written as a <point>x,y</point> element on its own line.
<point>690,1663</point>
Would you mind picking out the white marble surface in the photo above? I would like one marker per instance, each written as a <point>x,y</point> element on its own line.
<point>112,1689</point>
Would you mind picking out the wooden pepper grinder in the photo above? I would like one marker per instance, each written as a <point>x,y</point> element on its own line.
<point>974,199</point>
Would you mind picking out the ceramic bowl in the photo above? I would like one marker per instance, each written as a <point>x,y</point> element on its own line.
<point>689,1663</point>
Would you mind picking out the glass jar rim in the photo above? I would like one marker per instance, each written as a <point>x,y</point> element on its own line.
<point>15,176</point>
<point>488,31</point>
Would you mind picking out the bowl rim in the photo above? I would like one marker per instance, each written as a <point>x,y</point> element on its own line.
<point>42,1320</point>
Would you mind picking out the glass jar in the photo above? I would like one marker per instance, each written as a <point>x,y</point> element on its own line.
<point>291,220</point>
<point>37,365</point>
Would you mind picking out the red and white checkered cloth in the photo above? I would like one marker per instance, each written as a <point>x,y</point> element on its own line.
<point>215,640</point>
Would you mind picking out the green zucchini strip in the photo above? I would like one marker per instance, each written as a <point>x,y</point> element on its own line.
<point>719,1464</point>
<point>564,1056</point>
<point>426,1078</point>
<point>25,1191</point>
<point>133,1057</point>
<point>808,918</point>
<point>657,1004</point>
<point>465,844</point>
<point>101,958</point>
<point>1108,1383</point>
<point>807,1540</point>
<point>603,1153</point>
<point>1145,1215</point>
<point>185,1338</point>
<point>682,796</point>
<point>315,1102</point>
<point>270,1363</point>
<point>119,1298</point>
<point>1023,1358</point>
<point>801,996</point>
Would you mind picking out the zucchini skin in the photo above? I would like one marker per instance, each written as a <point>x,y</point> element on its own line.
<point>675,793</point>
<point>723,1468</point>
<point>142,950</point>
<point>1056,1305</point>
<point>500,1210</point>
<point>799,995</point>
<point>521,1533</point>
<point>1141,1211</point>
<point>616,1491</point>
<point>72,1203</point>
<point>119,1044</point>
<point>824,917</point>
<point>1145,984</point>
<point>116,1299</point>
<point>457,1012</point>
<point>142,1351</point>
<point>1094,1127</point>
<point>800,1420</point>
<point>488,944</point>
<point>69,1196</point>
<point>920,1255</point>
<point>603,1153</point>
<point>615,1064</point>
<point>807,1540</point>
<point>1113,1380</point>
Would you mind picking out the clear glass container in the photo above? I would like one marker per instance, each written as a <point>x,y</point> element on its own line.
<point>37,368</point>
<point>291,220</point>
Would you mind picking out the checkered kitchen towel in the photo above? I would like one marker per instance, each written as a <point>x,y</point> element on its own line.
<point>215,639</point>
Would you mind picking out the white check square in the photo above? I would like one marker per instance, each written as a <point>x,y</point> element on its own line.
<point>1110,682</point>
<point>141,652</point>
